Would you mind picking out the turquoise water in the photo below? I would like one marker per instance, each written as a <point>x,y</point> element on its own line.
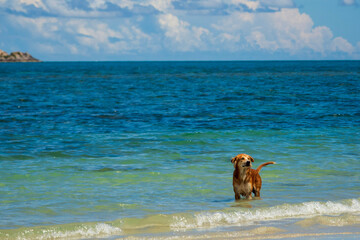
<point>127,144</point>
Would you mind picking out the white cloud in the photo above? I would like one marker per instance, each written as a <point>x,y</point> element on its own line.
<point>341,44</point>
<point>97,4</point>
<point>181,34</point>
<point>237,21</point>
<point>92,33</point>
<point>349,2</point>
<point>253,5</point>
<point>278,3</point>
<point>161,5</point>
<point>102,4</point>
<point>257,38</point>
<point>36,3</point>
<point>45,27</point>
<point>86,34</point>
<point>100,36</point>
<point>87,9</point>
<point>120,26</point>
<point>222,42</point>
<point>20,5</point>
<point>264,4</point>
<point>287,30</point>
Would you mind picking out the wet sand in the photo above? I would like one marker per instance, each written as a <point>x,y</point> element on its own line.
<point>345,226</point>
<point>259,233</point>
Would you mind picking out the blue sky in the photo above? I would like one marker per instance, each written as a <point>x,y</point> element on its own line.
<point>107,30</point>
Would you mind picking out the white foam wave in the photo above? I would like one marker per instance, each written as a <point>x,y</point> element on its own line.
<point>100,229</point>
<point>61,232</point>
<point>185,221</point>
<point>251,216</point>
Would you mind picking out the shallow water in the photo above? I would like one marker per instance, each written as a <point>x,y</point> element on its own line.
<point>107,141</point>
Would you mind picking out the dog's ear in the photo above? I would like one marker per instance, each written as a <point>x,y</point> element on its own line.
<point>233,161</point>
<point>251,159</point>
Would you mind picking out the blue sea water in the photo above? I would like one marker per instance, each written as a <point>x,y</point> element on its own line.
<point>133,143</point>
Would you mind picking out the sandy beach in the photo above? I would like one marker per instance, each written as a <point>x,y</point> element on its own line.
<point>346,226</point>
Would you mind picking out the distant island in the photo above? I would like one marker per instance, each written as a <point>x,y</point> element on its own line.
<point>17,57</point>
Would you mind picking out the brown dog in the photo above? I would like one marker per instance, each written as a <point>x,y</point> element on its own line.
<point>245,179</point>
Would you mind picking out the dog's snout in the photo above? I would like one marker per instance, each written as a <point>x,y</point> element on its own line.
<point>247,163</point>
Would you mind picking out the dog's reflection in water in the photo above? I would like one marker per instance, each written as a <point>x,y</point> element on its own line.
<point>242,204</point>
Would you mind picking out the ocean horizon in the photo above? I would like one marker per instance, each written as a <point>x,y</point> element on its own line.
<point>175,60</point>
<point>142,149</point>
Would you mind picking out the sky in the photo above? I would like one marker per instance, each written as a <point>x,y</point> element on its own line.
<point>163,30</point>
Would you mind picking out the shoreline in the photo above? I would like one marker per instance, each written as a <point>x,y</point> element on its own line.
<point>241,223</point>
<point>281,229</point>
<point>334,227</point>
<point>269,235</point>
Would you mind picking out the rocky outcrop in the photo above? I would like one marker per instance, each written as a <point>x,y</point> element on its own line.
<point>16,57</point>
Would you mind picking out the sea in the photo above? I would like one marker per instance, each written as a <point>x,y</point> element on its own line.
<point>113,150</point>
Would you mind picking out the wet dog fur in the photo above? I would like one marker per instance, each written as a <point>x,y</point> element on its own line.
<point>245,179</point>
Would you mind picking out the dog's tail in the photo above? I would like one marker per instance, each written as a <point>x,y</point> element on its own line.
<point>264,164</point>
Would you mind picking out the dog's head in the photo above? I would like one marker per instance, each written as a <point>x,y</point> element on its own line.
<point>242,160</point>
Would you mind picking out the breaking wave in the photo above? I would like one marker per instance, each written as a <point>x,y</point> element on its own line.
<point>66,231</point>
<point>186,221</point>
<point>253,216</point>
